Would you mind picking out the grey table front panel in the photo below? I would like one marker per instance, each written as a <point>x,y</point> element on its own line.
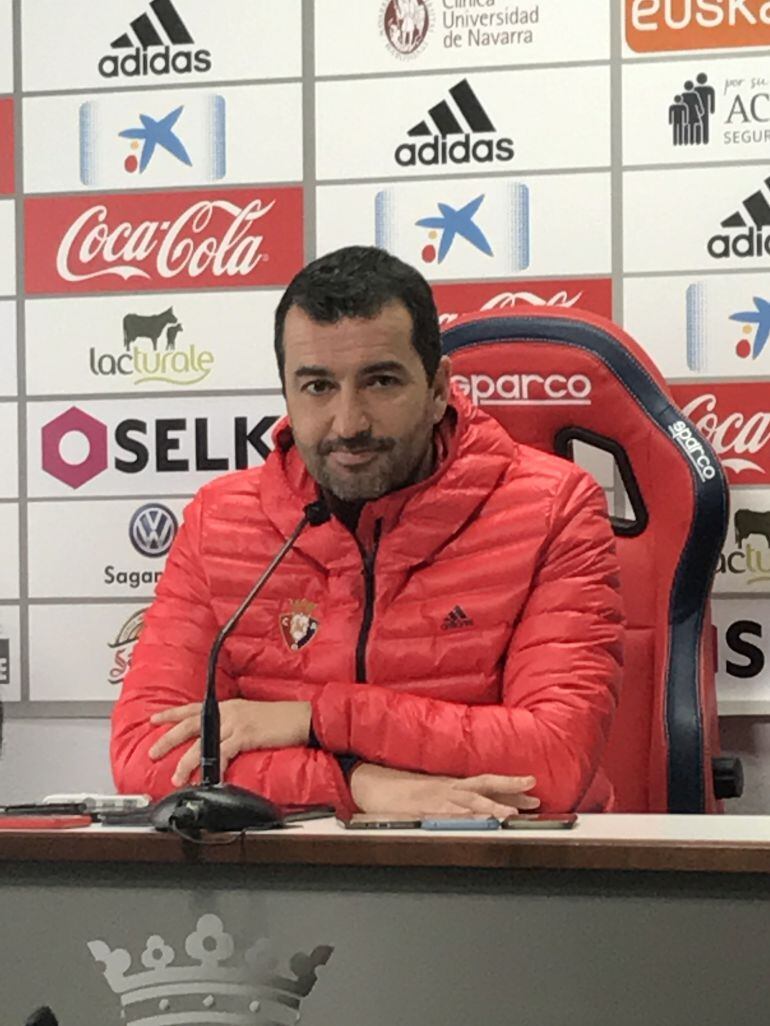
<point>410,948</point>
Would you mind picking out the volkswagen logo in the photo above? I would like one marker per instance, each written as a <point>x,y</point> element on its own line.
<point>152,529</point>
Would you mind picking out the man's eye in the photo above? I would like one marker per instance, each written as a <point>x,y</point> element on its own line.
<point>317,387</point>
<point>384,381</point>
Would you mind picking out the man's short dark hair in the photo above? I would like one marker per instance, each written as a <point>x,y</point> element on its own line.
<point>358,281</point>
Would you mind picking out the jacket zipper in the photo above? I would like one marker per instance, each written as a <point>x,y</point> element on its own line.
<point>369,594</point>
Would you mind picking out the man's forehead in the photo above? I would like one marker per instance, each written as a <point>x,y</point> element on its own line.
<point>386,336</point>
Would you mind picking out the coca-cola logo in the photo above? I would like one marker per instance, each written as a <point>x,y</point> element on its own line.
<point>525,389</point>
<point>136,241</point>
<point>740,437</point>
<point>187,244</point>
<point>505,300</point>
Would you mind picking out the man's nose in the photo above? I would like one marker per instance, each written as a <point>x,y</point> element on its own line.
<point>350,415</point>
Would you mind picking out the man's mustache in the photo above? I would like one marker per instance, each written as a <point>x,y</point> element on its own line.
<point>362,442</point>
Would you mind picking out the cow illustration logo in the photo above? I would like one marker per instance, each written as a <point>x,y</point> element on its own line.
<point>136,326</point>
<point>298,625</point>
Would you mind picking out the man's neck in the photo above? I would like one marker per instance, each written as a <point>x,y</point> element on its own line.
<point>348,512</point>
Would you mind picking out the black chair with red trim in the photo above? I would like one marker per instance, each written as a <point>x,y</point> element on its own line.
<point>563,377</point>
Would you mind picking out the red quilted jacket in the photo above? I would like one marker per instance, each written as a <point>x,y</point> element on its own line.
<point>481,633</point>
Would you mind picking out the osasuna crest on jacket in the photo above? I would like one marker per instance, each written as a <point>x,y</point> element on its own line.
<point>473,624</point>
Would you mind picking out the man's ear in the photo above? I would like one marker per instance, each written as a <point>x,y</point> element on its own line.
<point>440,389</point>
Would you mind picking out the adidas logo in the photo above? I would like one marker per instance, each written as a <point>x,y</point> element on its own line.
<point>448,141</point>
<point>154,46</point>
<point>456,617</point>
<point>751,242</point>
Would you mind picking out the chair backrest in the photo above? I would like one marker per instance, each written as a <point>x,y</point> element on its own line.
<point>554,379</point>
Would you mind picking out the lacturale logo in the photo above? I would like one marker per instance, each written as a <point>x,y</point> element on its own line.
<point>460,132</point>
<point>745,235</point>
<point>168,362</point>
<point>751,561</point>
<point>154,46</point>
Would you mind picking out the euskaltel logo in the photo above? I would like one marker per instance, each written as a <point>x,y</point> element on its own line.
<point>158,43</point>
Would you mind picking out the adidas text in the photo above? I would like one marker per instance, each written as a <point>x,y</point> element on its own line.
<point>439,151</point>
<point>749,243</point>
<point>160,62</point>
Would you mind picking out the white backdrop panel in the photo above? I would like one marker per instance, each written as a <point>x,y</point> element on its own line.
<point>7,248</point>
<point>735,114</point>
<point>9,550</point>
<point>233,42</point>
<point>73,143</point>
<point>695,326</point>
<point>554,119</point>
<point>153,446</point>
<point>8,378</point>
<point>530,224</point>
<point>10,667</point>
<point>122,344</point>
<point>350,37</point>
<point>89,671</point>
<point>9,451</point>
<point>84,550</point>
<point>670,218</point>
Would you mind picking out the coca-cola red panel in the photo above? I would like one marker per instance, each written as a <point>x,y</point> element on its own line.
<point>594,294</point>
<point>163,240</point>
<point>6,146</point>
<point>735,418</point>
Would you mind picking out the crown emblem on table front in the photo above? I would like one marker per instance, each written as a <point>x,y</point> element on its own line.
<point>216,987</point>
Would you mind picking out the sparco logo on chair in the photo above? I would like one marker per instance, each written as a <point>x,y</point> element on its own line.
<point>525,389</point>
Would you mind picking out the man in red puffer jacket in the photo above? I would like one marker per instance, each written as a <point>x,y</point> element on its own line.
<point>450,640</point>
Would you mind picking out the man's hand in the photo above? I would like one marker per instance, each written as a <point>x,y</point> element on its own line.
<point>383,790</point>
<point>244,726</point>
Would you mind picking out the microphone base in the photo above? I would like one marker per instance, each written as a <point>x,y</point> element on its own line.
<point>215,809</point>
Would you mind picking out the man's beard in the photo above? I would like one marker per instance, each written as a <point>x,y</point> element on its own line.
<point>396,464</point>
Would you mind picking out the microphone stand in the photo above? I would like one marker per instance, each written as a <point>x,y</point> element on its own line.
<point>212,805</point>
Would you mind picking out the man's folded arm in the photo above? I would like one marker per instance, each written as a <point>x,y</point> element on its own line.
<point>560,681</point>
<point>168,669</point>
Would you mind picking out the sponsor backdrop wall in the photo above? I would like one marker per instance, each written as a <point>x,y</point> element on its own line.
<point>167,165</point>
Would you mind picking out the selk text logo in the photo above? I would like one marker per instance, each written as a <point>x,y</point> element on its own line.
<point>140,445</point>
<point>459,134</point>
<point>157,45</point>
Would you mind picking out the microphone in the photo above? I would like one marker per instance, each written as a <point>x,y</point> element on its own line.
<point>213,806</point>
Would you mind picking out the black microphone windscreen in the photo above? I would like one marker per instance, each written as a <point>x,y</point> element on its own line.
<point>317,513</point>
<point>42,1017</point>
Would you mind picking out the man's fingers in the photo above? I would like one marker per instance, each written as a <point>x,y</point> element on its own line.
<point>472,801</point>
<point>494,783</point>
<point>177,713</point>
<point>175,736</point>
<point>187,765</point>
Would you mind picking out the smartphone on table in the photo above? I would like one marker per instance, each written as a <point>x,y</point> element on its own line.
<point>540,821</point>
<point>379,821</point>
<point>460,821</point>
